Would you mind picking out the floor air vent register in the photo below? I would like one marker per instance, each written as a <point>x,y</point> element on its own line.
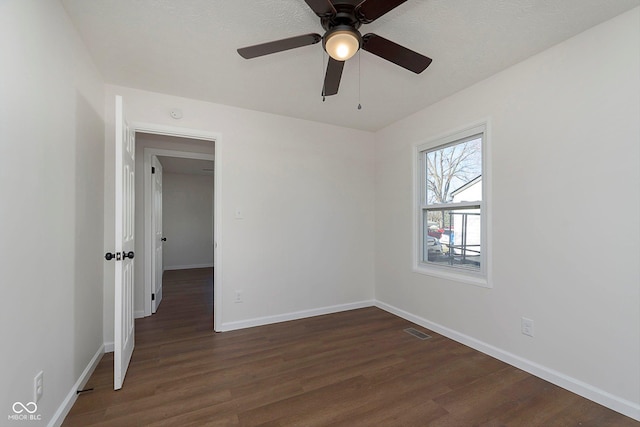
<point>416,333</point>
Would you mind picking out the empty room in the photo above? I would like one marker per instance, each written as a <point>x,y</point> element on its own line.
<point>375,212</point>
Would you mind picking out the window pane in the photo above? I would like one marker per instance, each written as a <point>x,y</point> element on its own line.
<point>452,237</point>
<point>453,173</point>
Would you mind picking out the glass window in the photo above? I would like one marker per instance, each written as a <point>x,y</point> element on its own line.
<point>451,205</point>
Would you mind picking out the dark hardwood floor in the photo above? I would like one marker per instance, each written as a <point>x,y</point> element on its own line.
<point>356,368</point>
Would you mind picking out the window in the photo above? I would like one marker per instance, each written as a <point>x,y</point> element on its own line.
<point>451,214</point>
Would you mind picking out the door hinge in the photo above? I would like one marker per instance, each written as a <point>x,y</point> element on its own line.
<point>153,297</point>
<point>153,169</point>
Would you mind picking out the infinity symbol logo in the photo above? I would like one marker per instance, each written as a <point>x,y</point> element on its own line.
<point>19,407</point>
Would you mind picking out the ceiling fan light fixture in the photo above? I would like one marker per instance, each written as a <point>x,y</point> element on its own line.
<point>342,44</point>
<point>341,20</point>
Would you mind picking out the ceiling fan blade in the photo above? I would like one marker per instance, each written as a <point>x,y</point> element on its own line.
<point>332,77</point>
<point>322,8</point>
<point>370,10</point>
<point>279,45</point>
<point>393,52</point>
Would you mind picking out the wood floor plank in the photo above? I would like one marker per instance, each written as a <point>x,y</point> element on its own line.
<point>355,368</point>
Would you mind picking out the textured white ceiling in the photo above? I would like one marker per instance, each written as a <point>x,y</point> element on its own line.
<point>188,48</point>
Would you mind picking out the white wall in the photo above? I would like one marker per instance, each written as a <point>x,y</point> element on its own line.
<point>51,213</point>
<point>306,190</point>
<point>144,140</point>
<point>187,220</point>
<point>565,165</point>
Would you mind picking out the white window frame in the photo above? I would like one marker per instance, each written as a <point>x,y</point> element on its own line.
<point>479,278</point>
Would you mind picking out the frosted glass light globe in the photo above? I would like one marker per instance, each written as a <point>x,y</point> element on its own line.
<point>342,45</point>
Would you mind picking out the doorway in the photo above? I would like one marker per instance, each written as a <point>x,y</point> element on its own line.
<point>174,149</point>
<point>181,216</point>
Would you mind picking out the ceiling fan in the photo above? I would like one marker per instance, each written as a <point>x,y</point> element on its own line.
<point>341,40</point>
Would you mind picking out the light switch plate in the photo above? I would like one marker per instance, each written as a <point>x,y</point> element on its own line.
<point>527,326</point>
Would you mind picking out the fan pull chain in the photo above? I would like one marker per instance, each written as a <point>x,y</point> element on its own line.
<point>322,74</point>
<point>359,78</point>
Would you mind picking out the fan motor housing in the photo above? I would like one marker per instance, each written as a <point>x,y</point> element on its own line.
<point>345,16</point>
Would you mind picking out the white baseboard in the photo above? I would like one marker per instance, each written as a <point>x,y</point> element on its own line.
<point>581,388</point>
<point>187,267</point>
<point>138,314</point>
<point>109,347</point>
<point>68,402</point>
<point>267,320</point>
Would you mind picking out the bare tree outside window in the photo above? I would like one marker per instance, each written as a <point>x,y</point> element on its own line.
<point>451,167</point>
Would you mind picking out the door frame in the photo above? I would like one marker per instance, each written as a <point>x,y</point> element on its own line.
<point>217,211</point>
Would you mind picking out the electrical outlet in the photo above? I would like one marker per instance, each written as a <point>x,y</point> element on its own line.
<point>38,386</point>
<point>238,297</point>
<point>527,326</point>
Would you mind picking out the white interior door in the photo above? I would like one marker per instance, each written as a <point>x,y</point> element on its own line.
<point>124,185</point>
<point>157,268</point>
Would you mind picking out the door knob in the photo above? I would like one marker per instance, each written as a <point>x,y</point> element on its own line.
<point>164,239</point>
<point>129,254</point>
<point>109,256</point>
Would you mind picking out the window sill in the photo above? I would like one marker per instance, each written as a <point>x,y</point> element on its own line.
<point>456,276</point>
